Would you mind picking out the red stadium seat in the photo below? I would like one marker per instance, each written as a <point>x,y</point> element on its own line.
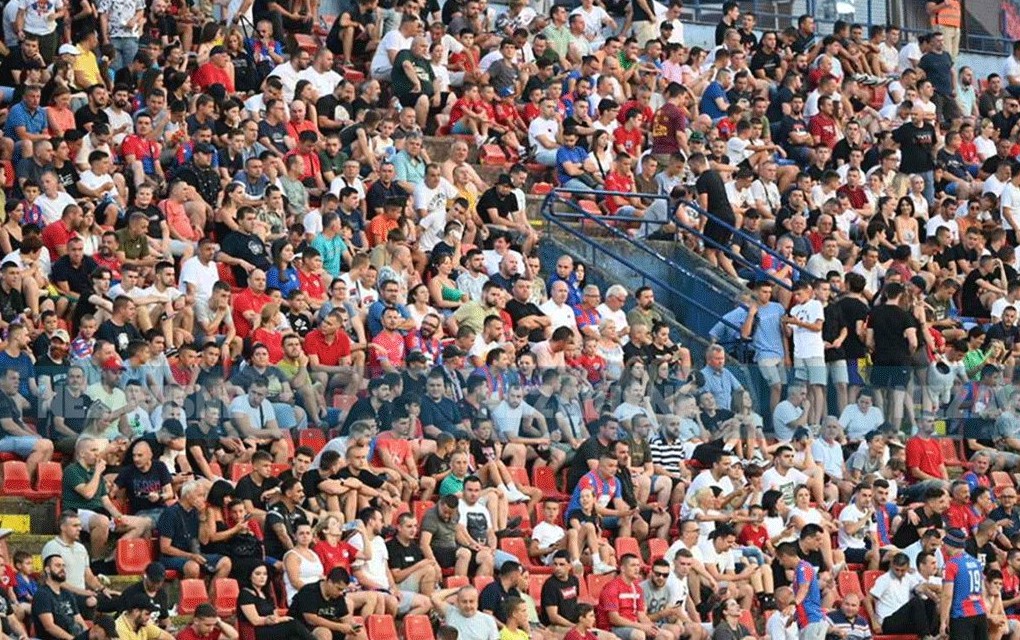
<point>491,154</point>
<point>402,508</point>
<point>747,620</point>
<point>381,627</point>
<point>9,176</point>
<point>521,510</point>
<point>657,548</point>
<point>312,438</point>
<point>227,591</point>
<point>420,507</point>
<point>132,556</point>
<point>1001,479</point>
<point>307,43</point>
<point>17,482</point>
<point>344,402</point>
<point>455,582</point>
<point>870,577</point>
<point>848,582</point>
<point>589,411</point>
<point>541,188</point>
<point>950,454</point>
<point>193,593</point>
<point>624,545</point>
<point>518,548</point>
<point>418,627</point>
<point>596,582</point>
<point>520,476</point>
<point>50,479</point>
<point>239,470</point>
<point>278,468</point>
<point>480,582</point>
<point>545,479</point>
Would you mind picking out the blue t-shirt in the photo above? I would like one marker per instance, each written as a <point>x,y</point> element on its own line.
<point>964,571</point>
<point>286,280</point>
<point>19,116</point>
<point>605,491</point>
<point>375,315</point>
<point>23,365</point>
<point>180,526</point>
<point>332,252</point>
<point>575,154</point>
<point>708,106</point>
<point>767,338</point>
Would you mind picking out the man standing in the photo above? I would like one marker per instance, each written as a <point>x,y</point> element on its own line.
<point>807,595</point>
<point>713,199</point>
<point>946,17</point>
<point>962,608</point>
<point>122,23</point>
<point>892,338</point>
<point>805,325</point>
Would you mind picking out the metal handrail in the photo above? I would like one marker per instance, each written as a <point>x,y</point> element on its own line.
<point>554,218</point>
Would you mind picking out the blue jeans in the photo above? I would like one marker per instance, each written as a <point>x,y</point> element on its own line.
<point>929,185</point>
<point>126,50</point>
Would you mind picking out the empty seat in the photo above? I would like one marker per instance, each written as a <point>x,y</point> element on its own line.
<point>847,582</point>
<point>193,593</point>
<point>455,582</point>
<point>420,507</point>
<point>312,438</point>
<point>418,627</point>
<point>596,582</point>
<point>480,582</point>
<point>132,556</point>
<point>239,470</point>
<point>227,591</point>
<point>17,482</point>
<point>380,627</point>
<point>50,480</point>
<point>544,478</point>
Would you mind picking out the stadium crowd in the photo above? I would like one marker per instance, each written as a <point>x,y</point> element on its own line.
<point>258,324</point>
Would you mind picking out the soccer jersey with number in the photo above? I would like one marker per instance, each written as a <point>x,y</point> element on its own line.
<point>964,572</point>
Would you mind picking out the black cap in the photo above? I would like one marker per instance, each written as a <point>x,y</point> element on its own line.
<point>666,26</point>
<point>155,572</point>
<point>452,351</point>
<point>504,180</point>
<point>204,147</point>
<point>416,356</point>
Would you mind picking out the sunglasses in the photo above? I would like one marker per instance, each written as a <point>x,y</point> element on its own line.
<point>661,575</point>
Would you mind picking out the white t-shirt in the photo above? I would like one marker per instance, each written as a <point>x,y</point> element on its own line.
<point>542,126</point>
<point>772,479</point>
<point>258,417</point>
<point>1010,67</point>
<point>40,23</point>
<point>723,561</point>
<point>289,77</point>
<point>784,414</point>
<point>909,55</point>
<point>53,209</point>
<point>619,317</point>
<point>807,343</point>
<point>891,594</point>
<point>392,41</point>
<point>546,535</point>
<point>202,277</point>
<point>119,120</point>
<point>376,568</point>
<point>736,149</point>
<point>475,519</point>
<point>857,424</point>
<point>559,315</point>
<point>1000,306</point>
<point>324,83</point>
<point>507,419</point>
<point>938,221</point>
<point>592,21</point>
<point>706,479</point>
<point>433,200</point>
<point>852,514</point>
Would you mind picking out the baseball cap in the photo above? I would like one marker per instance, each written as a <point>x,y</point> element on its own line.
<point>204,147</point>
<point>61,334</point>
<point>218,49</point>
<point>69,48</point>
<point>112,364</point>
<point>697,136</point>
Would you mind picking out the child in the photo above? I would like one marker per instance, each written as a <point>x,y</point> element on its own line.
<point>487,452</point>
<point>437,464</point>
<point>50,323</point>
<point>25,585</point>
<point>517,627</point>
<point>33,212</point>
<point>85,343</point>
<point>299,316</point>
<point>585,623</point>
<point>548,538</point>
<point>589,361</point>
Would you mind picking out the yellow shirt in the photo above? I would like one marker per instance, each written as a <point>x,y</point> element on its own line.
<point>86,63</point>
<point>124,632</point>
<point>506,634</point>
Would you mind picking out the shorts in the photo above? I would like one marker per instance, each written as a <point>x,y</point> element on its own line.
<point>837,372</point>
<point>460,128</point>
<point>889,376</point>
<point>853,371</point>
<point>567,450</point>
<point>771,369</point>
<point>177,564</point>
<point>810,370</point>
<point>623,633</point>
<point>406,601</point>
<point>86,516</point>
<point>21,446</point>
<point>411,583</point>
<point>855,556</point>
<point>410,99</point>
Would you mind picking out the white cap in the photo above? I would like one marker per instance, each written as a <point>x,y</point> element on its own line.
<point>69,48</point>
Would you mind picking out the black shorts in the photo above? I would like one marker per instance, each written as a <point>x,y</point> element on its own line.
<point>972,628</point>
<point>409,99</point>
<point>890,376</point>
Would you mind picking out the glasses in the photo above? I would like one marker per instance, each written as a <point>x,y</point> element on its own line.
<point>660,575</point>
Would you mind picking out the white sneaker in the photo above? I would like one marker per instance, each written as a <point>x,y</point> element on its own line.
<point>515,495</point>
<point>601,568</point>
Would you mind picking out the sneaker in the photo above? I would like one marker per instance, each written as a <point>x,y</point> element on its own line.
<point>514,522</point>
<point>599,568</point>
<point>516,495</point>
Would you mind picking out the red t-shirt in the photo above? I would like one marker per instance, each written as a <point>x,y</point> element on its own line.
<point>573,634</point>
<point>311,284</point>
<point>825,128</point>
<point>312,165</point>
<point>188,633</point>
<point>457,110</point>
<point>667,121</point>
<point>925,454</point>
<point>630,140</point>
<point>395,348</point>
<point>962,516</point>
<point>141,148</point>
<point>342,555</point>
<point>247,300</point>
<point>530,112</point>
<point>727,127</point>
<point>209,74</point>
<point>273,341</point>
<point>329,354</point>
<point>968,151</point>
<point>645,110</point>
<point>753,535</point>
<point>617,182</point>
<point>399,450</point>
<point>56,234</point>
<point>622,597</point>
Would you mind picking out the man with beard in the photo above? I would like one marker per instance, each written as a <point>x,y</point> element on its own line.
<point>136,623</point>
<point>68,409</point>
<point>793,133</point>
<point>55,613</point>
<point>92,111</point>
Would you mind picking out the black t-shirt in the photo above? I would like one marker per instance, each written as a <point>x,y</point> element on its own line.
<point>70,408</point>
<point>711,183</point>
<point>590,449</point>
<point>402,557</point>
<point>767,62</point>
<point>788,125</point>
<point>160,602</point>
<point>77,278</point>
<point>249,248</point>
<point>907,534</point>
<point>853,310</point>
<point>775,110</point>
<point>63,606</point>
<point>309,599</point>
<point>12,303</point>
<point>520,310</point>
<point>888,322</point>
<point>970,294</point>
<point>276,134</point>
<point>366,477</point>
<point>831,326</point>
<point>493,598</point>
<point>916,145</point>
<point>247,490</point>
<point>208,442</point>
<point>16,62</point>
<point>278,514</point>
<point>434,465</point>
<point>138,484</point>
<point>504,206</point>
<point>561,594</point>
<point>120,336</point>
<point>85,116</point>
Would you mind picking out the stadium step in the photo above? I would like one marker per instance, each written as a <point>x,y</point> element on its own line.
<point>42,515</point>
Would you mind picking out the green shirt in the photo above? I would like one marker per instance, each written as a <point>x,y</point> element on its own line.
<point>332,163</point>
<point>75,475</point>
<point>973,362</point>
<point>451,485</point>
<point>134,248</point>
<point>402,83</point>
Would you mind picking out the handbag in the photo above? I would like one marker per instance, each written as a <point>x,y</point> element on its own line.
<point>246,545</point>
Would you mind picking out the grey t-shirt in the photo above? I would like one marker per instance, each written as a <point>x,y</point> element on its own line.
<point>655,599</point>
<point>480,626</point>
<point>444,534</point>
